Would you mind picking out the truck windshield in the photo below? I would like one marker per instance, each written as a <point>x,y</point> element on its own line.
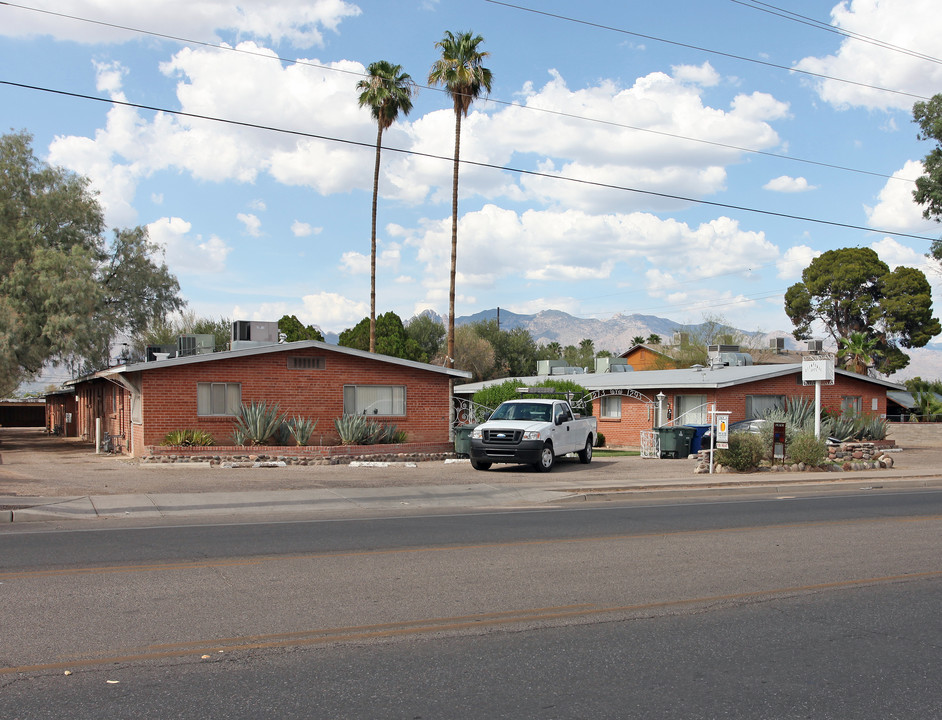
<point>523,411</point>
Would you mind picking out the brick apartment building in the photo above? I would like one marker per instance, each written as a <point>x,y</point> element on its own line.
<point>139,404</point>
<point>626,403</point>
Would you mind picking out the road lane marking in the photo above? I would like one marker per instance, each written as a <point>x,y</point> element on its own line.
<point>359,633</point>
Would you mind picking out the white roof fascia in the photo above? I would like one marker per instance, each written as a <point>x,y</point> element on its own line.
<point>686,378</point>
<point>280,347</point>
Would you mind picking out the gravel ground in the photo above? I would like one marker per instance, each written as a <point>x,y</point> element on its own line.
<point>38,465</point>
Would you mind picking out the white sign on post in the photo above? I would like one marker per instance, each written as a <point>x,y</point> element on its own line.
<point>817,369</point>
<point>722,432</point>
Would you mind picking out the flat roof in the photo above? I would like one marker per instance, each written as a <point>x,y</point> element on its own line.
<point>685,378</point>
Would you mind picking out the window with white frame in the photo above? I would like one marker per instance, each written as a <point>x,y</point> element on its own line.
<point>374,400</point>
<point>757,406</point>
<point>611,406</point>
<point>218,398</point>
<point>690,410</point>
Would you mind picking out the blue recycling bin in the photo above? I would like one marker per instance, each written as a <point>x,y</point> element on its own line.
<point>696,441</point>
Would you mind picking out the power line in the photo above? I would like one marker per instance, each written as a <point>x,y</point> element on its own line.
<point>506,103</point>
<point>821,25</point>
<point>472,163</point>
<point>698,48</point>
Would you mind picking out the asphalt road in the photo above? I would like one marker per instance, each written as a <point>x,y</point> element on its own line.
<point>805,607</point>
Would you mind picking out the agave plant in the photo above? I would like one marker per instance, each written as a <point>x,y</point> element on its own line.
<point>353,429</point>
<point>256,423</point>
<point>360,430</point>
<point>301,429</point>
<point>187,438</point>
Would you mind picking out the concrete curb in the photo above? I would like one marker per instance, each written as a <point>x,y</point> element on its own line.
<point>482,495</point>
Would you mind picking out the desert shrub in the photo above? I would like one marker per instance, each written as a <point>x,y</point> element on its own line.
<point>301,429</point>
<point>360,430</point>
<point>257,423</point>
<point>806,448</point>
<point>745,452</point>
<point>188,438</point>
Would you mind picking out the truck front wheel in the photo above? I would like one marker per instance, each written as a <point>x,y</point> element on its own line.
<point>547,458</point>
<point>480,464</point>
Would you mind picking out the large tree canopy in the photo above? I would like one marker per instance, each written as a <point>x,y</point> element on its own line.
<point>852,291</point>
<point>928,192</point>
<point>391,338</point>
<point>65,292</point>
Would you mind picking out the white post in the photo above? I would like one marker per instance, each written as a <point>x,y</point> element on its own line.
<point>97,436</point>
<point>817,409</point>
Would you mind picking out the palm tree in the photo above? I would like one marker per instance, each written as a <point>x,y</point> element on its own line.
<point>387,92</point>
<point>654,339</point>
<point>637,340</point>
<point>461,71</point>
<point>857,352</point>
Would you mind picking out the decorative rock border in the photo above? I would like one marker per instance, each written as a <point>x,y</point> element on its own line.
<point>265,460</point>
<point>843,457</point>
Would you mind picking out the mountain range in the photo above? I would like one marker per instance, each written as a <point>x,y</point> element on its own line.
<point>616,333</point>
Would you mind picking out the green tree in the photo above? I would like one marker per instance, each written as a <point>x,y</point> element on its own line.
<point>428,333</point>
<point>387,92</point>
<point>515,351</point>
<point>852,290</point>
<point>637,340</point>
<point>654,339</point>
<point>391,338</point>
<point>66,292</point>
<point>474,353</point>
<point>928,192</point>
<point>550,351</point>
<point>460,70</point>
<point>295,330</point>
<point>857,352</point>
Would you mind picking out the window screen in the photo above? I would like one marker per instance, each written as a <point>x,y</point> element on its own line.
<point>758,405</point>
<point>611,406</point>
<point>218,398</point>
<point>374,400</point>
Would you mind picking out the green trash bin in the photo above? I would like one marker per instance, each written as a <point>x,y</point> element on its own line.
<point>675,441</point>
<point>463,439</point>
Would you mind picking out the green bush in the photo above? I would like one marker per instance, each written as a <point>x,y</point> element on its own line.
<point>745,452</point>
<point>599,440</point>
<point>806,448</point>
<point>496,394</point>
<point>257,423</point>
<point>188,438</point>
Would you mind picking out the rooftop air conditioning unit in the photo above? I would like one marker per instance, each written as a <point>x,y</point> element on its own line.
<point>777,344</point>
<point>202,344</point>
<point>815,346</point>
<point>152,351</point>
<point>611,364</point>
<point>257,332</point>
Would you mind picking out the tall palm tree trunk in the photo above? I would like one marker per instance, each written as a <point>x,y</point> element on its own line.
<point>379,145</point>
<point>454,245</point>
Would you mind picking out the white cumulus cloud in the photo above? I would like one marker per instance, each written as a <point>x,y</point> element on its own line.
<point>786,184</point>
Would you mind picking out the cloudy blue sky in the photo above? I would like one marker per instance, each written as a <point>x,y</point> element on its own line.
<point>663,147</point>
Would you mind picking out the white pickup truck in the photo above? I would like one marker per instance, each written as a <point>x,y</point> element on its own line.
<point>532,432</point>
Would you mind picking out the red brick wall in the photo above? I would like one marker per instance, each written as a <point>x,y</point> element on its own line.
<point>169,394</point>
<point>636,417</point>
